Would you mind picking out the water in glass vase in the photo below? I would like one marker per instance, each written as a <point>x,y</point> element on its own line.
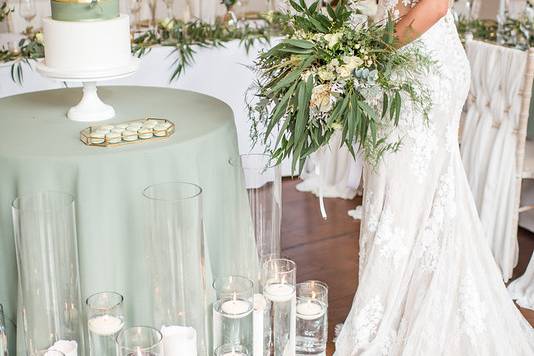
<point>312,326</point>
<point>281,306</point>
<point>233,323</point>
<point>103,330</point>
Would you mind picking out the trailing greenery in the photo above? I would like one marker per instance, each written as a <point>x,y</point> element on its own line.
<point>29,48</point>
<point>334,71</point>
<point>514,32</point>
<point>5,10</point>
<point>184,37</point>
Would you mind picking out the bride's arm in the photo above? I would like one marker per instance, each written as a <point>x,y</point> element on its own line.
<point>419,19</point>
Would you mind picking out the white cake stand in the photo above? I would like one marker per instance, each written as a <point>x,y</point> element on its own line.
<point>90,108</point>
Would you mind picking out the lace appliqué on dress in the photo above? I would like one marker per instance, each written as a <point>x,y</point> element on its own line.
<point>471,309</point>
<point>439,226</point>
<point>365,325</point>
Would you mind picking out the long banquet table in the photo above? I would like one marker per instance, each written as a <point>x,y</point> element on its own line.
<point>41,151</point>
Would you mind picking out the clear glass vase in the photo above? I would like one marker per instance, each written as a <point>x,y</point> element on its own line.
<point>264,188</point>
<point>279,279</point>
<point>177,259</point>
<point>312,318</point>
<point>47,261</point>
<point>232,311</point>
<point>105,319</point>
<point>139,341</point>
<point>3,333</point>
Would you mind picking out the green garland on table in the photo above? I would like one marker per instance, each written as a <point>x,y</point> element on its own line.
<point>515,32</point>
<point>29,48</point>
<point>184,37</point>
<point>5,10</point>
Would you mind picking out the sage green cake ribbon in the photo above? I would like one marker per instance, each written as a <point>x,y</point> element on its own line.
<point>84,10</point>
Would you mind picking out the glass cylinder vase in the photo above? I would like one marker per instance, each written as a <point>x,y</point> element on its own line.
<point>47,261</point>
<point>279,278</point>
<point>139,341</point>
<point>176,255</point>
<point>312,318</point>
<point>232,311</point>
<point>232,350</point>
<point>264,188</point>
<point>3,333</point>
<point>105,318</point>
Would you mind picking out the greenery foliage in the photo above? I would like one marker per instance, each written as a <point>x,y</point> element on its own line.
<point>334,71</point>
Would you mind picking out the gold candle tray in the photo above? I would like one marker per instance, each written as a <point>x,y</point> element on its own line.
<point>128,132</point>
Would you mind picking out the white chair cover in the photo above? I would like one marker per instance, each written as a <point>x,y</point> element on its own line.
<point>489,143</point>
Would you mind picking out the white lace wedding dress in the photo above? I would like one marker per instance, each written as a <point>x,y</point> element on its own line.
<point>428,284</point>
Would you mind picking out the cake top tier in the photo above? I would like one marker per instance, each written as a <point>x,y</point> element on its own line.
<point>84,10</point>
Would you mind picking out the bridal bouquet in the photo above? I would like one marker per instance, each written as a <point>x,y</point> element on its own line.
<point>334,71</point>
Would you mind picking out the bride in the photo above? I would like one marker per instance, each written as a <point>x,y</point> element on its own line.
<point>428,284</point>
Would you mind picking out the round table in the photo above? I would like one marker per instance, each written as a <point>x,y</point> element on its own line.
<point>40,150</point>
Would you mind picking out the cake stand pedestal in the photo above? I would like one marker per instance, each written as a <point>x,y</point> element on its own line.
<point>90,108</point>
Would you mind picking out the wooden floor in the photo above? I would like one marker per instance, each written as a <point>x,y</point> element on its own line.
<point>328,250</point>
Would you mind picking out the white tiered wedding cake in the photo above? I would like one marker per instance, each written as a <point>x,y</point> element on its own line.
<point>87,47</point>
<point>87,41</point>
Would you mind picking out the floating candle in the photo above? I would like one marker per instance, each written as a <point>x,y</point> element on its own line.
<point>279,292</point>
<point>236,308</point>
<point>105,325</point>
<point>310,309</point>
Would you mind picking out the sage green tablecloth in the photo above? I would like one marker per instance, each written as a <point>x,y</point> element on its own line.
<point>40,150</point>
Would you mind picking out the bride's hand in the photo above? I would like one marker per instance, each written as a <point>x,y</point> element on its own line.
<point>419,19</point>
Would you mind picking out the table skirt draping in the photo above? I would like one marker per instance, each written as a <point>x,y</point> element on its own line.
<point>41,151</point>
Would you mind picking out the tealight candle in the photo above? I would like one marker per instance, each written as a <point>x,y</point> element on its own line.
<point>121,126</point>
<point>105,127</point>
<point>310,310</point>
<point>235,308</point>
<point>105,325</point>
<point>279,292</point>
<point>150,124</point>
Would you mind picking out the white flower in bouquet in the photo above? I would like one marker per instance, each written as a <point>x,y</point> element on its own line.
<point>326,74</point>
<point>321,98</point>
<point>344,71</point>
<point>39,37</point>
<point>352,62</point>
<point>333,38</point>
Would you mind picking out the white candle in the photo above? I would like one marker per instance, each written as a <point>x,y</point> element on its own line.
<point>235,308</point>
<point>105,325</point>
<point>258,324</point>
<point>69,348</point>
<point>279,292</point>
<point>310,310</point>
<point>179,341</point>
<point>234,353</point>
